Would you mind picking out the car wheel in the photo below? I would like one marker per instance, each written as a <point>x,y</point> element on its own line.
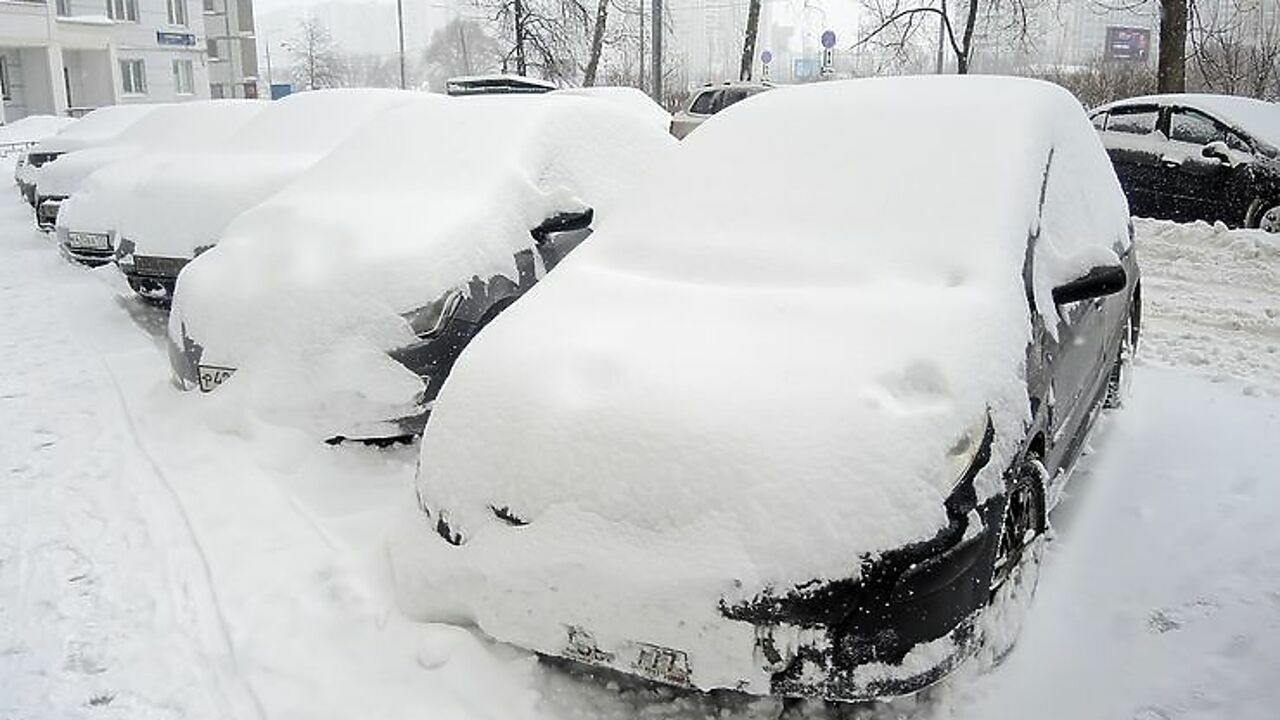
<point>1016,571</point>
<point>1122,372</point>
<point>1269,219</point>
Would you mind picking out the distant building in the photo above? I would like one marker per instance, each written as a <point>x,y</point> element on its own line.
<point>70,56</point>
<point>231,46</point>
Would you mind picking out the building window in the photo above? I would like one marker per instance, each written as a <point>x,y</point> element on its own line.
<point>133,77</point>
<point>4,79</point>
<point>177,12</point>
<point>215,91</point>
<point>64,8</point>
<point>211,48</point>
<point>251,90</point>
<point>123,10</point>
<point>182,83</point>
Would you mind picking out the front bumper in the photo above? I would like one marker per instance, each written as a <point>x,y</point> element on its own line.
<point>152,277</point>
<point>91,256</point>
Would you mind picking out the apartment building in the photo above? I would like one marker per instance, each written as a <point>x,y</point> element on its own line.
<point>231,47</point>
<point>70,56</point>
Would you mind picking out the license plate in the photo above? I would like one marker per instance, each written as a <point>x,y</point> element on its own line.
<point>663,664</point>
<point>88,241</point>
<point>211,376</point>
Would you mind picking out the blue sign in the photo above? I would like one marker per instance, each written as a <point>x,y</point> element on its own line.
<point>804,68</point>
<point>766,57</point>
<point>174,38</point>
<point>828,39</point>
<point>279,90</point>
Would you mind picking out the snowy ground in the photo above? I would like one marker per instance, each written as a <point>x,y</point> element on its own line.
<point>161,557</point>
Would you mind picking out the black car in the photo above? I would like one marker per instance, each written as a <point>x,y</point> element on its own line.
<point>1196,157</point>
<point>806,447</point>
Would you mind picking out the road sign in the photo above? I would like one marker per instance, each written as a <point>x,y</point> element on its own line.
<point>766,57</point>
<point>1125,43</point>
<point>828,39</point>
<point>828,62</point>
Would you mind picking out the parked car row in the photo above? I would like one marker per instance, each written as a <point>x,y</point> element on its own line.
<point>717,413</point>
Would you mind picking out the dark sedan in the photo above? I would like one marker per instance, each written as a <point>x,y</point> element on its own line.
<point>1196,157</point>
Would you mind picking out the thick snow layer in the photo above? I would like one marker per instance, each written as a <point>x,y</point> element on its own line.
<point>627,98</point>
<point>100,126</point>
<point>1259,118</point>
<point>739,396</point>
<point>1214,306</point>
<point>32,128</point>
<point>156,564</point>
<point>192,125</point>
<point>304,294</point>
<point>187,200</point>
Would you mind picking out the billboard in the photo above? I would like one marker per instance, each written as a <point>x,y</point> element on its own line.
<point>1125,43</point>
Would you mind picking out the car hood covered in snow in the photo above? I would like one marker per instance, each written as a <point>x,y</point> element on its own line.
<point>192,125</point>
<point>753,382</point>
<point>304,294</point>
<point>187,201</point>
<point>32,129</point>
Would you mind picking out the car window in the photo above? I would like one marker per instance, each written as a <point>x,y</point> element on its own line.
<point>1100,121</point>
<point>732,96</point>
<point>1189,126</point>
<point>706,103</point>
<point>1135,121</point>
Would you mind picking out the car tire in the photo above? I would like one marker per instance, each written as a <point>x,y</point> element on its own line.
<point>1121,376</point>
<point>1267,217</point>
<point>1016,570</point>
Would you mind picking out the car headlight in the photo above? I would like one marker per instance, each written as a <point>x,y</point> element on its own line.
<point>975,441</point>
<point>430,318</point>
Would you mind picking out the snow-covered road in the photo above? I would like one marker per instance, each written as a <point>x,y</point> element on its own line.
<point>161,556</point>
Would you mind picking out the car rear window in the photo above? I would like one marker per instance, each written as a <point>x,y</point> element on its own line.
<point>1136,121</point>
<point>706,103</point>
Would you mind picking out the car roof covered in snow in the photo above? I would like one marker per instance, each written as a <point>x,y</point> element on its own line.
<point>101,125</point>
<point>1259,118</point>
<point>359,239</point>
<point>32,128</point>
<point>767,358</point>
<point>628,98</point>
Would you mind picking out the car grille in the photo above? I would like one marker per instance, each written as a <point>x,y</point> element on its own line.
<point>167,267</point>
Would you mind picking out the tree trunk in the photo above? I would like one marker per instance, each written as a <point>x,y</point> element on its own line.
<point>1171,73</point>
<point>966,43</point>
<point>597,43</point>
<point>749,42</point>
<point>521,67</point>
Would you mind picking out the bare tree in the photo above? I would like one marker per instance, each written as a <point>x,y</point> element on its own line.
<point>316,57</point>
<point>461,47</point>
<point>1234,49</point>
<point>543,37</point>
<point>597,44</point>
<point>749,42</point>
<point>899,22</point>
<point>1171,67</point>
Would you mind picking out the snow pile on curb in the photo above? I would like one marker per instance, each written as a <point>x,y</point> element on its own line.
<point>1211,302</point>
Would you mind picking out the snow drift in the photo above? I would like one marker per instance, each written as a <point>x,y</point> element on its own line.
<point>304,294</point>
<point>734,390</point>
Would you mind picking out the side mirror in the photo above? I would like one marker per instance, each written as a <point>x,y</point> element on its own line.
<point>1100,281</point>
<point>1218,150</point>
<point>563,222</point>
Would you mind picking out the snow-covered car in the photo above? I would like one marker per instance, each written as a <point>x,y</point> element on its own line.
<point>1197,157</point>
<point>18,136</point>
<point>711,99</point>
<point>98,181</point>
<point>182,207</point>
<point>96,128</point>
<point>792,441</point>
<point>341,303</point>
